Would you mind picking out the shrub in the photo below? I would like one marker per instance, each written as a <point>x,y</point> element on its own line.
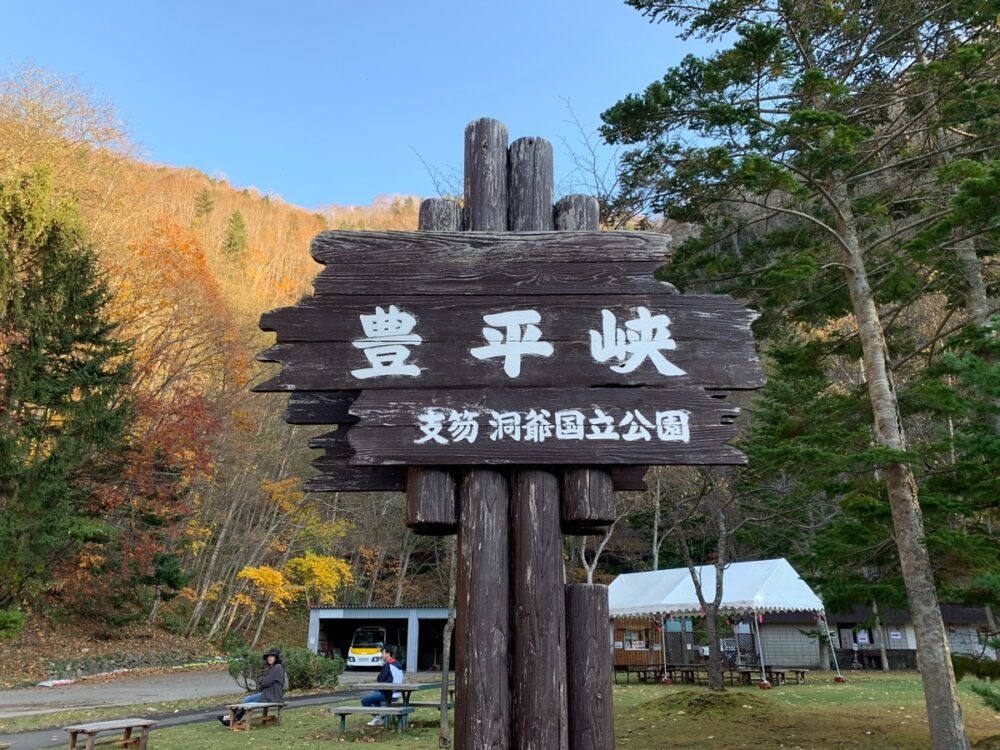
<point>11,622</point>
<point>304,668</point>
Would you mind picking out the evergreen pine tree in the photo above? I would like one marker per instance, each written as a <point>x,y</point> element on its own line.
<point>63,413</point>
<point>203,205</point>
<point>235,240</point>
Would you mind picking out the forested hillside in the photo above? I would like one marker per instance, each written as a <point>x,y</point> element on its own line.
<point>187,511</point>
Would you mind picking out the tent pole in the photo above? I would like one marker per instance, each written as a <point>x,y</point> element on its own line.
<point>736,640</point>
<point>760,649</point>
<point>663,646</point>
<point>833,650</point>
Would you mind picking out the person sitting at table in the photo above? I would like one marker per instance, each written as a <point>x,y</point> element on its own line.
<point>270,685</point>
<point>390,673</point>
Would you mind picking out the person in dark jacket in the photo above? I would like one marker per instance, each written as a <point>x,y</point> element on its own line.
<point>390,673</point>
<point>270,685</point>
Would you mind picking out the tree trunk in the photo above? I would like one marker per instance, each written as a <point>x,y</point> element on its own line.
<point>880,629</point>
<point>944,714</point>
<point>444,734</point>
<point>716,678</point>
<point>404,564</point>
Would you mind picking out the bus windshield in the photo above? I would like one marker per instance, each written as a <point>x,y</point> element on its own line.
<point>368,638</point>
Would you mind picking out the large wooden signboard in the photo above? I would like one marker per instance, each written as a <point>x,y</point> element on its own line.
<point>459,348</point>
<point>509,377</point>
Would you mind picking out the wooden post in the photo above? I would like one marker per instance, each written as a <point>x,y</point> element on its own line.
<point>482,682</point>
<point>538,666</point>
<point>486,176</point>
<point>588,505</point>
<point>529,185</point>
<point>430,493</point>
<point>482,643</point>
<point>588,501</point>
<point>588,497</point>
<point>588,650</point>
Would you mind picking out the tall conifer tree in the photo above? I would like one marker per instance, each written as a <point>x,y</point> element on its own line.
<point>63,414</point>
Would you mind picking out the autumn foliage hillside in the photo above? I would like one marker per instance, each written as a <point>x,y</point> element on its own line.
<point>211,529</point>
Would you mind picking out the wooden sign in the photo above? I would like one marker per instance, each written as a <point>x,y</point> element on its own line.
<point>448,348</point>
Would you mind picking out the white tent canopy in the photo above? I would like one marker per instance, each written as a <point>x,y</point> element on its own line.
<point>758,586</point>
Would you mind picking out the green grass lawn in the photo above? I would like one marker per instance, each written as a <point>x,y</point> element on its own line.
<point>883,712</point>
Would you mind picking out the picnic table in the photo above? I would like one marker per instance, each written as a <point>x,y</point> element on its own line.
<point>125,726</point>
<point>401,713</point>
<point>404,688</point>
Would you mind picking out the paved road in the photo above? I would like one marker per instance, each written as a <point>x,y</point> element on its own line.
<point>134,691</point>
<point>128,691</point>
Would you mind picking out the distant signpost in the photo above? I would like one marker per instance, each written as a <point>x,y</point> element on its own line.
<point>441,357</point>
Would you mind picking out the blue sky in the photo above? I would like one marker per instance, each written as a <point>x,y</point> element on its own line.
<point>330,102</point>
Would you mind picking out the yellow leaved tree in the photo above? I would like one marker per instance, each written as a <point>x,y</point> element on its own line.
<point>319,577</point>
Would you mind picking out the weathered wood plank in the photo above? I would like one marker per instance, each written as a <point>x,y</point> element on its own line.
<point>323,407</point>
<point>335,442</point>
<point>678,426</point>
<point>693,317</point>
<point>482,634</point>
<point>591,712</point>
<point>588,500</point>
<point>359,479</point>
<point>395,250</point>
<point>339,476</point>
<point>538,663</point>
<point>324,366</point>
<point>268,386</point>
<point>513,278</point>
<point>431,501</point>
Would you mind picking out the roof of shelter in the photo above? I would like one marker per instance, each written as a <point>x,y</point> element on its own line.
<point>758,586</point>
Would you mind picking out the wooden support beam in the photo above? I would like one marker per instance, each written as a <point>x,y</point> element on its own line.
<point>431,500</point>
<point>591,711</point>
<point>482,638</point>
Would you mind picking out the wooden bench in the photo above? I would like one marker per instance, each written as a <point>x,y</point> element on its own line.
<point>420,704</point>
<point>800,675</point>
<point>401,713</point>
<point>244,724</point>
<point>125,726</point>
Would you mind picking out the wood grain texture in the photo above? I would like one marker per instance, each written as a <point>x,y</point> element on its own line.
<point>395,250</point>
<point>359,479</point>
<point>431,501</point>
<point>339,476</point>
<point>486,176</point>
<point>499,278</point>
<point>327,366</point>
<point>588,501</point>
<point>693,317</point>
<point>538,663</point>
<point>482,634</point>
<point>431,494</point>
<point>529,185</point>
<point>439,214</point>
<point>575,213</point>
<point>389,426</point>
<point>589,699</point>
<point>328,407</point>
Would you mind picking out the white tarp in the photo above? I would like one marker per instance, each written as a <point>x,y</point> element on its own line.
<point>759,586</point>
